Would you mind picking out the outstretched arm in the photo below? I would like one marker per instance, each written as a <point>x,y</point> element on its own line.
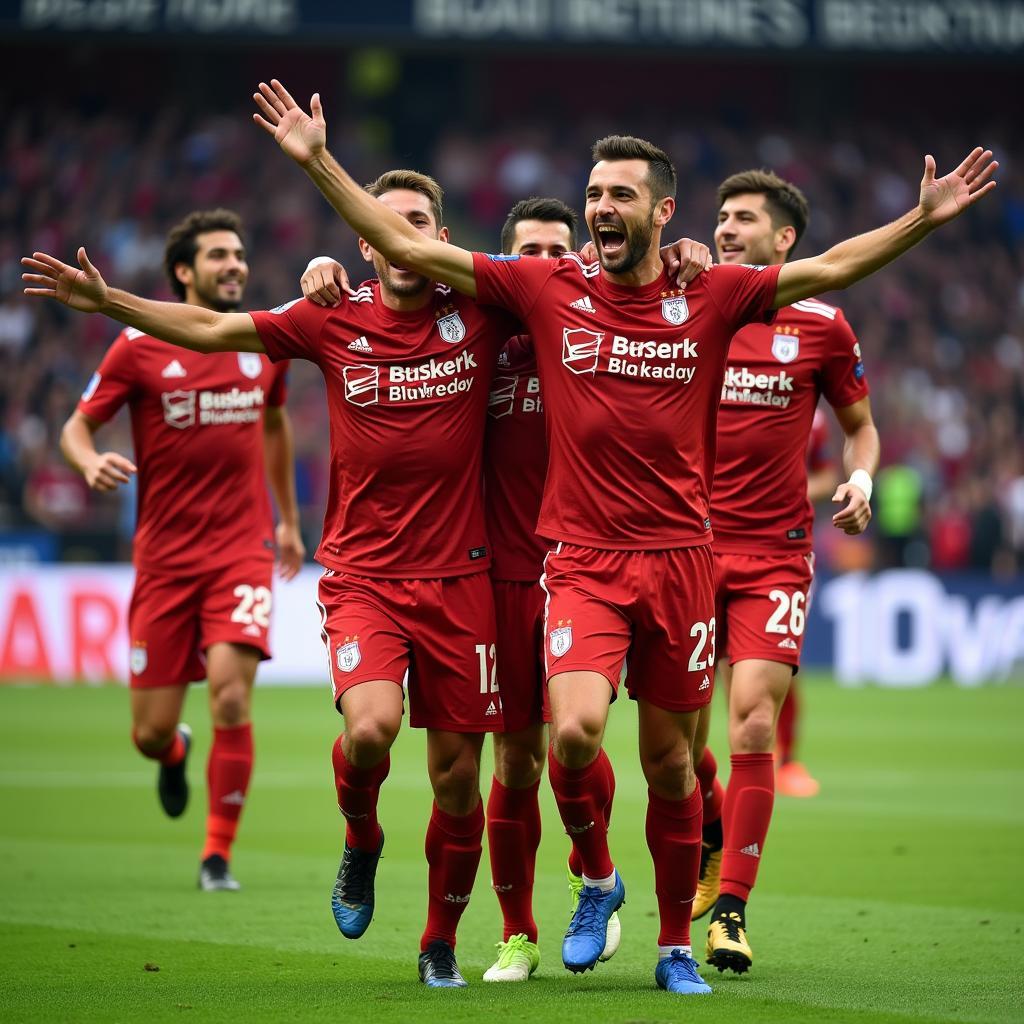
<point>941,200</point>
<point>84,289</point>
<point>304,139</point>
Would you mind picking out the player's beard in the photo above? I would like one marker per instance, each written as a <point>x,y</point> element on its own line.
<point>211,298</point>
<point>634,250</point>
<point>404,289</point>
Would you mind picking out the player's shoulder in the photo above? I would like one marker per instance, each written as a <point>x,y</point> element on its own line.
<point>814,315</point>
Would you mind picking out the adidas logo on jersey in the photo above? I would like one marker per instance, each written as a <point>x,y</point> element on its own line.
<point>491,710</point>
<point>360,345</point>
<point>252,630</point>
<point>583,303</point>
<point>753,850</point>
<point>705,684</point>
<point>789,643</point>
<point>173,369</point>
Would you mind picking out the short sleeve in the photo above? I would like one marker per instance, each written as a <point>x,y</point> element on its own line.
<point>279,386</point>
<point>843,379</point>
<point>512,282</point>
<point>743,294</point>
<point>112,384</point>
<point>292,330</point>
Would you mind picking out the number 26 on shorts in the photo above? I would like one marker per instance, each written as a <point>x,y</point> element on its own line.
<point>786,605</point>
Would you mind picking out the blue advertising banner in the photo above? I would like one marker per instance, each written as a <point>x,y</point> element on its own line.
<point>832,26</point>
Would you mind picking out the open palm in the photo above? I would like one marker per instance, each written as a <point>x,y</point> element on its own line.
<point>81,287</point>
<point>944,198</point>
<point>301,136</point>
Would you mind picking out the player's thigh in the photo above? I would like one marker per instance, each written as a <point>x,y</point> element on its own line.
<point>237,604</point>
<point>703,730</point>
<point>767,608</point>
<point>519,615</point>
<point>579,714</point>
<point>758,690</point>
<point>365,642</point>
<point>672,660</point>
<point>373,714</point>
<point>666,748</point>
<point>163,631</point>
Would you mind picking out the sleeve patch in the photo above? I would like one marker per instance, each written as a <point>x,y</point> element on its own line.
<point>90,388</point>
<point>285,306</point>
<point>502,257</point>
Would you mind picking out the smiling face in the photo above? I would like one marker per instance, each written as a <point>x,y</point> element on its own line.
<point>416,209</point>
<point>544,238</point>
<point>747,234</point>
<point>218,273</point>
<point>625,221</point>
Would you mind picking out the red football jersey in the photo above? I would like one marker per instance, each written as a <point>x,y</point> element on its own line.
<point>774,378</point>
<point>631,380</point>
<point>197,427</point>
<point>818,454</point>
<point>515,463</point>
<point>407,398</point>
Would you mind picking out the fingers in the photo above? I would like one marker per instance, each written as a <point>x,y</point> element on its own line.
<point>854,518</point>
<point>273,98</point>
<point>283,95</point>
<point>968,161</point>
<point>269,112</point>
<point>978,165</point>
<point>929,170</point>
<point>45,263</point>
<point>316,108</point>
<point>83,262</point>
<point>979,180</point>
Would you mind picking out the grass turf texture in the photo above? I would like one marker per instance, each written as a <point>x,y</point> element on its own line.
<point>894,896</point>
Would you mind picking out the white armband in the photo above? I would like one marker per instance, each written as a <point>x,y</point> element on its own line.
<point>862,478</point>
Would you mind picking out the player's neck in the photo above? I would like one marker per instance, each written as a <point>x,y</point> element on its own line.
<point>406,303</point>
<point>645,272</point>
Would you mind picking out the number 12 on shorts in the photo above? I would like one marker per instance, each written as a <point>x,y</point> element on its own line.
<point>786,605</point>
<point>488,668</point>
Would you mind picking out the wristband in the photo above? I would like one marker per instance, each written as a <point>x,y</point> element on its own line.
<point>862,478</point>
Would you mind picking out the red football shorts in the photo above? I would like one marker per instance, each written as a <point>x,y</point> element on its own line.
<point>440,631</point>
<point>761,605</point>
<point>652,611</point>
<point>172,620</point>
<point>519,611</point>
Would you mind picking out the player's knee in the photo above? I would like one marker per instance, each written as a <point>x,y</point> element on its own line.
<point>669,772</point>
<point>370,738</point>
<point>576,742</point>
<point>457,785</point>
<point>153,736</point>
<point>753,730</point>
<point>518,764</point>
<point>230,704</point>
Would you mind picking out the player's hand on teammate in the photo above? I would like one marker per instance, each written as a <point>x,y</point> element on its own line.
<point>686,259</point>
<point>324,280</point>
<point>944,198</point>
<point>108,471</point>
<point>854,516</point>
<point>291,552</point>
<point>301,136</point>
<point>80,287</point>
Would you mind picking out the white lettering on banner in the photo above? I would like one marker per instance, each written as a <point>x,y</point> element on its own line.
<point>943,634</point>
<point>145,15</point>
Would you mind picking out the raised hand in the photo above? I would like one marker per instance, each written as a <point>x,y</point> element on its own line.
<point>83,289</point>
<point>944,198</point>
<point>302,137</point>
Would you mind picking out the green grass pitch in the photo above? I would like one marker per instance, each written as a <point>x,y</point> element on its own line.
<point>894,896</point>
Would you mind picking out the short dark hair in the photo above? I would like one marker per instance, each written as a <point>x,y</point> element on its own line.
<point>182,246</point>
<point>661,175</point>
<point>786,204</point>
<point>414,182</point>
<point>538,208</point>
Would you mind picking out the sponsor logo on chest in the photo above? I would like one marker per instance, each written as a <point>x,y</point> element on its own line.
<point>642,359</point>
<point>747,387</point>
<point>426,381</point>
<point>184,409</point>
<point>509,394</point>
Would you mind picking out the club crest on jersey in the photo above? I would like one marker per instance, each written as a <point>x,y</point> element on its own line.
<point>675,310</point>
<point>361,384</point>
<point>138,659</point>
<point>250,364</point>
<point>348,656</point>
<point>559,640</point>
<point>451,328</point>
<point>580,349</point>
<point>502,398</point>
<point>785,347</point>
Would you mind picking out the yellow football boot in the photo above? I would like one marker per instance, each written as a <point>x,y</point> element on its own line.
<point>708,881</point>
<point>728,948</point>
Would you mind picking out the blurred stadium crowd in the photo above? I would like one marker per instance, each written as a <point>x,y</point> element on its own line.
<point>943,331</point>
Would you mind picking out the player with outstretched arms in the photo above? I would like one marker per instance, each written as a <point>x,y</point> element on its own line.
<point>763,522</point>
<point>209,431</point>
<point>408,365</point>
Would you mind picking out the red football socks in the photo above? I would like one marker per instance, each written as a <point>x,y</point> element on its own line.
<point>453,847</point>
<point>170,755</point>
<point>710,788</point>
<point>584,798</point>
<point>227,782</point>
<point>786,729</point>
<point>513,835</point>
<point>358,791</point>
<point>673,837</point>
<point>746,816</point>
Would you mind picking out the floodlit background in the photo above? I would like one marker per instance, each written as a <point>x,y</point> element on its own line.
<point>890,897</point>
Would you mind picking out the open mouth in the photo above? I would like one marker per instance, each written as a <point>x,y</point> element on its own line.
<point>730,252</point>
<point>610,239</point>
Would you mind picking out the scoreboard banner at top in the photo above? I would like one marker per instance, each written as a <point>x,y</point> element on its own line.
<point>833,26</point>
